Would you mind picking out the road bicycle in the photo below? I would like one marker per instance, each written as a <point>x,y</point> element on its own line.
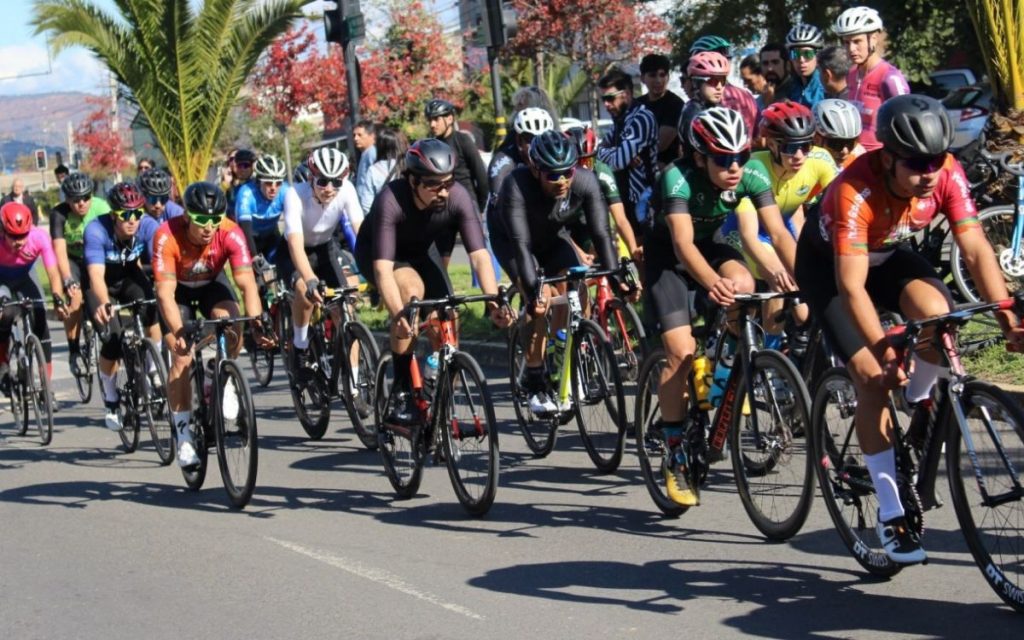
<point>29,383</point>
<point>456,420</point>
<point>622,325</point>
<point>234,438</point>
<point>763,414</point>
<point>88,361</point>
<point>276,300</point>
<point>586,378</point>
<point>978,426</point>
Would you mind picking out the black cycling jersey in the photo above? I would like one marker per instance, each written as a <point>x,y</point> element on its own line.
<point>470,171</point>
<point>666,110</point>
<point>503,162</point>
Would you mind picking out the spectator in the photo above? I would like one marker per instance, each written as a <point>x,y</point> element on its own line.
<point>364,136</point>
<point>390,148</point>
<point>60,173</point>
<point>773,66</point>
<point>18,194</point>
<point>240,163</point>
<point>665,105</point>
<point>144,164</point>
<point>834,64</point>
<point>804,82</point>
<point>753,79</point>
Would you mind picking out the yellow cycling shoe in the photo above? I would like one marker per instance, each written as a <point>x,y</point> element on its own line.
<point>677,486</point>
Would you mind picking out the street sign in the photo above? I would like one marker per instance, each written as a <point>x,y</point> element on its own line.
<point>41,159</point>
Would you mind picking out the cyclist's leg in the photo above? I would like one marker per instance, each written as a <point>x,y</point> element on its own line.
<point>7,318</point>
<point>217,300</point>
<point>436,284</point>
<point>76,300</point>
<point>302,307</point>
<point>110,349</point>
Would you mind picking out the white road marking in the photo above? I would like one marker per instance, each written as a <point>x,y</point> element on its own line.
<point>379,576</point>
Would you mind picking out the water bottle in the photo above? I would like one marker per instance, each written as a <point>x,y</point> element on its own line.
<point>558,349</point>
<point>701,379</point>
<point>722,371</point>
<point>430,371</point>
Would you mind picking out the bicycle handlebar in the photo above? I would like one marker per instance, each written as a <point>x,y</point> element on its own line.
<point>580,273</point>
<point>114,308</point>
<point>1003,160</point>
<point>415,304</point>
<point>194,328</point>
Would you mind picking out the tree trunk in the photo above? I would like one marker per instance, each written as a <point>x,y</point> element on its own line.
<point>538,69</point>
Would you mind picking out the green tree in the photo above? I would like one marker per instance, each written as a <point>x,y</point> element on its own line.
<point>1000,31</point>
<point>183,64</point>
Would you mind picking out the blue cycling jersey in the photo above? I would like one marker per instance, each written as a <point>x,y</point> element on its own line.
<point>251,206</point>
<point>102,246</point>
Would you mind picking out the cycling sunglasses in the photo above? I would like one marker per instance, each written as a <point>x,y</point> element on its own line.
<point>839,144</point>
<point>437,185</point>
<point>806,54</point>
<point>334,182</point>
<point>78,199</point>
<point>15,237</point>
<point>558,176</point>
<point>790,148</point>
<point>127,215</point>
<point>271,183</point>
<point>157,199</point>
<point>726,160</point>
<point>205,219</point>
<point>929,164</point>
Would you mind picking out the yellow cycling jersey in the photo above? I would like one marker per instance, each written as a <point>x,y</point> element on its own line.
<point>808,183</point>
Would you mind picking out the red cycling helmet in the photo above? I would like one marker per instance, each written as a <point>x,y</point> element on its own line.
<point>16,219</point>
<point>586,141</point>
<point>125,196</point>
<point>707,64</point>
<point>789,121</point>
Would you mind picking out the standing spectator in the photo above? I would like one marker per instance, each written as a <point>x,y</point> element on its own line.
<point>18,194</point>
<point>470,171</point>
<point>753,79</point>
<point>834,64</point>
<point>773,66</point>
<point>631,149</point>
<point>665,105</point>
<point>364,136</point>
<point>144,164</point>
<point>735,98</point>
<point>240,162</point>
<point>873,80</point>
<point>60,173</point>
<point>390,148</point>
<point>804,83</point>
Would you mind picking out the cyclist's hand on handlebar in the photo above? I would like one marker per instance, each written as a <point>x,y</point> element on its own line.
<point>102,315</point>
<point>501,315</point>
<point>177,343</point>
<point>782,281</point>
<point>263,331</point>
<point>894,375</point>
<point>312,291</point>
<point>722,292</point>
<point>539,306</point>
<point>60,309</point>
<point>403,329</point>
<point>585,258</point>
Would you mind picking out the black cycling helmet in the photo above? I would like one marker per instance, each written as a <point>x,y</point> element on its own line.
<point>245,155</point>
<point>205,198</point>
<point>437,108</point>
<point>125,195</point>
<point>430,157</point>
<point>914,126</point>
<point>155,182</point>
<point>553,151</point>
<point>77,185</point>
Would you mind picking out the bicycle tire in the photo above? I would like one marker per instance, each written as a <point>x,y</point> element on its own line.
<point>470,434</point>
<point>600,386</point>
<point>650,447</point>
<point>842,475</point>
<point>260,360</point>
<point>39,389</point>
<point>624,322</point>
<point>777,496</point>
<point>310,394</point>
<point>19,400</point>
<point>195,476</point>
<point>402,453</point>
<point>88,351</point>
<point>1000,558</point>
<point>358,392</point>
<point>998,224</point>
<point>540,434</point>
<point>156,408</point>
<point>128,407</point>
<point>237,440</point>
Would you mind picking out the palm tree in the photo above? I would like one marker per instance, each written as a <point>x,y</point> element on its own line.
<point>184,67</point>
<point>1000,29</point>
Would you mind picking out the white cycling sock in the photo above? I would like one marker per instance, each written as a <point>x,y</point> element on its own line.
<point>922,380</point>
<point>882,467</point>
<point>181,420</point>
<point>109,386</point>
<point>301,337</point>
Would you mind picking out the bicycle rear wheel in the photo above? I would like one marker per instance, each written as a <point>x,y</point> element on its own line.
<point>991,520</point>
<point>773,466</point>
<point>310,393</point>
<point>401,448</point>
<point>235,430</point>
<point>88,350</point>
<point>650,444</point>
<point>470,434</point>
<point>629,341</point>
<point>261,360</point>
<point>999,225</point>
<point>195,476</point>
<point>598,400</point>
<point>38,393</point>
<point>155,410</point>
<point>128,395</point>
<point>540,433</point>
<point>357,381</point>
<point>19,390</point>
<point>842,473</point>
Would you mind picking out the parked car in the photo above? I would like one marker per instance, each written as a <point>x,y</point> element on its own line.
<point>949,80</point>
<point>968,108</point>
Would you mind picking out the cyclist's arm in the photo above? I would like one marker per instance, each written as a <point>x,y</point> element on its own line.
<point>60,248</point>
<point>297,249</point>
<point>169,311</point>
<point>477,169</point>
<point>98,282</point>
<point>245,207</point>
<point>981,262</point>
<point>384,275</point>
<point>484,270</point>
<point>246,281</point>
<point>782,240</point>
<point>56,284</point>
<point>622,226</point>
<point>766,259</point>
<point>294,235</point>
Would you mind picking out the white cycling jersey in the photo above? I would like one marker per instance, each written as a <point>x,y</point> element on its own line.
<point>304,214</point>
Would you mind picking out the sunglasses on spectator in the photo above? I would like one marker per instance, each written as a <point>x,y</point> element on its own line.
<point>78,199</point>
<point>806,54</point>
<point>157,199</point>
<point>205,219</point>
<point>558,176</point>
<point>608,97</point>
<point>243,165</point>
<point>334,182</point>
<point>271,183</point>
<point>839,144</point>
<point>929,164</point>
<point>127,215</point>
<point>791,148</point>
<point>726,160</point>
<point>437,185</point>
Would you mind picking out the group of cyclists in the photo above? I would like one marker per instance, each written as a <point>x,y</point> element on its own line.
<point>807,193</point>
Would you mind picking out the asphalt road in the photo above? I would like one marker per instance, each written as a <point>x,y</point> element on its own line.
<point>95,543</point>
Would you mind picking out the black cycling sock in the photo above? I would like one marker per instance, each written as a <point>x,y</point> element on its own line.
<point>403,377</point>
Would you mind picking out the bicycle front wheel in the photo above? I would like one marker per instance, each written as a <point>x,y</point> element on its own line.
<point>358,361</point>
<point>402,449</point>
<point>89,349</point>
<point>128,392</point>
<point>235,430</point>
<point>310,394</point>
<point>598,400</point>
<point>986,487</point>
<point>470,431</point>
<point>539,432</point>
<point>195,476</point>
<point>261,360</point>
<point>650,444</point>
<point>155,410</point>
<point>38,392</point>
<point>843,474</point>
<point>999,226</point>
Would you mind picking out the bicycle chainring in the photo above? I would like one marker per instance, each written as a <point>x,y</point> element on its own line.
<point>1013,267</point>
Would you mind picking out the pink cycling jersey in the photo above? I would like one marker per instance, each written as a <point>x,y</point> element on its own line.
<point>868,94</point>
<point>16,263</point>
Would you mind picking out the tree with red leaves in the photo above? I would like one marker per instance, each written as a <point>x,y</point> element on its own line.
<point>104,149</point>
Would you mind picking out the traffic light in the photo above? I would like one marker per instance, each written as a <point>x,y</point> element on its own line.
<point>344,23</point>
<point>499,24</point>
<point>41,159</point>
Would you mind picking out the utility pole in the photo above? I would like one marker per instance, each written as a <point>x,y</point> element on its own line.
<point>500,27</point>
<point>71,144</point>
<point>114,127</point>
<point>345,25</point>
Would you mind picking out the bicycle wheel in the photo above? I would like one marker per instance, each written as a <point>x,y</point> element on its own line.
<point>128,393</point>
<point>629,341</point>
<point>235,429</point>
<point>540,433</point>
<point>401,448</point>
<point>310,394</point>
<point>357,380</point>
<point>986,489</point>
<point>470,440</point>
<point>153,382</point>
<point>650,445</point>
<point>196,475</point>
<point>598,400</point>
<point>261,360</point>
<point>842,473</point>
<point>998,225</point>
<point>38,393</point>
<point>19,387</point>
<point>772,465</point>
<point>88,349</point>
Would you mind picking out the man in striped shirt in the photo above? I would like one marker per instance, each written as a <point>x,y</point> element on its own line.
<point>631,150</point>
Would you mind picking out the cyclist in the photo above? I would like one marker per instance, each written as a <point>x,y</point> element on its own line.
<point>837,128</point>
<point>526,124</point>
<point>856,258</point>
<point>872,80</point>
<point>259,205</point>
<point>67,228</point>
<point>696,197</point>
<point>803,85</point>
<point>155,185</point>
<point>115,245</point>
<point>189,253</point>
<point>536,205</point>
<point>733,97</point>
<point>397,253</point>
<point>470,170</point>
<point>707,73</point>
<point>22,243</point>
<point>314,211</point>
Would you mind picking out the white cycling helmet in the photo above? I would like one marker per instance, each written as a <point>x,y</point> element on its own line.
<point>532,120</point>
<point>327,162</point>
<point>857,20</point>
<point>269,167</point>
<point>567,124</point>
<point>805,35</point>
<point>837,119</point>
<point>719,130</point>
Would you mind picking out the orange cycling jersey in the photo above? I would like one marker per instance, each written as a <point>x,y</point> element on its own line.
<point>862,217</point>
<point>176,258</point>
